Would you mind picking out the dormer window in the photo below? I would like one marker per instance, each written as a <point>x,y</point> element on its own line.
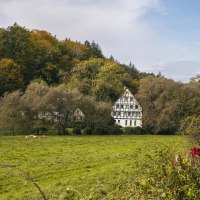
<point>131,98</point>
<point>136,106</point>
<point>117,105</point>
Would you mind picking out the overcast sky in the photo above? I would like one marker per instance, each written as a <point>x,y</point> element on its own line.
<point>155,35</point>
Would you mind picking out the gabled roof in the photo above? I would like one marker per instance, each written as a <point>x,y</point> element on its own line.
<point>78,112</point>
<point>127,91</point>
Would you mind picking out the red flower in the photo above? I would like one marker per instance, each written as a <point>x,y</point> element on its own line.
<point>195,151</point>
<point>175,164</point>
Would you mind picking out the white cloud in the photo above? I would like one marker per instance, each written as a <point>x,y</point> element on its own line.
<point>179,70</point>
<point>115,24</point>
<point>78,18</point>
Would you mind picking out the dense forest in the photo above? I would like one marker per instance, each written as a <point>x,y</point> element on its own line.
<point>41,74</point>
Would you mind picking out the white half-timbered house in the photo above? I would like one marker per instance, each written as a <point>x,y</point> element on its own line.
<point>78,115</point>
<point>126,111</point>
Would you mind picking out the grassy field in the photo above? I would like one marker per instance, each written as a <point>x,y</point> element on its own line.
<point>75,167</point>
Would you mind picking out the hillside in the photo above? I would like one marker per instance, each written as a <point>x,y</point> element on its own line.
<point>36,54</point>
<point>32,61</point>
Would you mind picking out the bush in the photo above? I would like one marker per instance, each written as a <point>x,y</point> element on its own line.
<point>40,130</point>
<point>87,131</point>
<point>115,130</point>
<point>108,130</point>
<point>101,130</point>
<point>76,131</point>
<point>134,130</point>
<point>166,131</point>
<point>169,179</point>
<point>191,126</point>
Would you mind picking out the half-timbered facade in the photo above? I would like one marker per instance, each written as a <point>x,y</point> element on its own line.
<point>78,115</point>
<point>126,111</point>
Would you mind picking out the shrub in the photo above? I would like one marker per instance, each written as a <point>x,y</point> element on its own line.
<point>87,131</point>
<point>101,130</point>
<point>167,179</point>
<point>108,130</point>
<point>166,131</point>
<point>134,130</point>
<point>40,130</point>
<point>115,130</point>
<point>76,131</point>
<point>191,126</point>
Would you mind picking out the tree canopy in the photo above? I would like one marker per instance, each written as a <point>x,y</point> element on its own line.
<point>43,69</point>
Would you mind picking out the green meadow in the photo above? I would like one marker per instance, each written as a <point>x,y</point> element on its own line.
<point>76,167</point>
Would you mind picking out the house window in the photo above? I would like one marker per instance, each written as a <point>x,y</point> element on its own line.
<point>125,113</point>
<point>125,122</point>
<point>129,113</point>
<point>126,98</point>
<point>122,106</point>
<point>119,113</point>
<point>131,106</point>
<point>131,98</point>
<point>134,122</point>
<point>127,106</point>
<point>117,105</point>
<point>130,122</point>
<point>118,121</point>
<point>136,106</point>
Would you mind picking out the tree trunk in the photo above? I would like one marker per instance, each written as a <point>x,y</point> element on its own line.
<point>64,132</point>
<point>13,126</point>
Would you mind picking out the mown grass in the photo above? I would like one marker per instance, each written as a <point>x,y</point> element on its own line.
<point>75,167</point>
